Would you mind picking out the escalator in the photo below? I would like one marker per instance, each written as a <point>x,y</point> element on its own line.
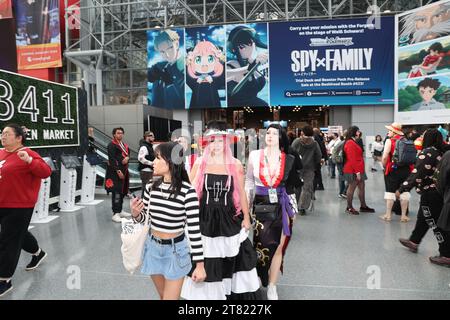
<point>101,144</point>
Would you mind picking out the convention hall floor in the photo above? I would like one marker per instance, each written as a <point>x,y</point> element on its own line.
<point>332,255</point>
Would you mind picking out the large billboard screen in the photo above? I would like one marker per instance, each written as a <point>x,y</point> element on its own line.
<point>332,62</point>
<point>261,64</point>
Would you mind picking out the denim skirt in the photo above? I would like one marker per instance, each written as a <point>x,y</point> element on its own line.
<point>173,261</point>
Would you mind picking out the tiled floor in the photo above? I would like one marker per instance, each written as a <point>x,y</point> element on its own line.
<point>332,255</point>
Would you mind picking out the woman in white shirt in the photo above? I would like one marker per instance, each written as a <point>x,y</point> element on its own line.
<point>377,152</point>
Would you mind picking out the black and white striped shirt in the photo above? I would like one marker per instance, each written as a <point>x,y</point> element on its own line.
<point>169,214</point>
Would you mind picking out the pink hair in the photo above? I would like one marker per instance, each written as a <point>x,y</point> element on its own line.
<point>231,171</point>
<point>204,48</point>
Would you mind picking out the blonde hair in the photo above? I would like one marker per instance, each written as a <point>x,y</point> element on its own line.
<point>166,35</point>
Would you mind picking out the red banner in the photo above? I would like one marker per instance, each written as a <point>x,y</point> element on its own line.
<point>38,36</point>
<point>5,9</point>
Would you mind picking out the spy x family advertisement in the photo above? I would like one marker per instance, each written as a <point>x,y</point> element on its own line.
<point>261,64</point>
<point>423,65</point>
<point>335,62</point>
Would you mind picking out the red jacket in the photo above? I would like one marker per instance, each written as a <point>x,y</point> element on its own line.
<point>354,160</point>
<point>20,182</point>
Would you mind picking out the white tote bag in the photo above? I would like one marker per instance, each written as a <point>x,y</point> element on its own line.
<point>133,240</point>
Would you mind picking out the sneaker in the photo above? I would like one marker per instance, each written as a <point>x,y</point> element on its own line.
<point>302,212</point>
<point>373,170</point>
<point>366,209</point>
<point>409,244</point>
<point>36,260</point>
<point>125,214</point>
<point>5,287</point>
<point>343,195</point>
<point>439,260</point>
<point>117,218</point>
<point>272,292</point>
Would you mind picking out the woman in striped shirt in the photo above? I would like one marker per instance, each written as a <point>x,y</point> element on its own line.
<point>173,207</point>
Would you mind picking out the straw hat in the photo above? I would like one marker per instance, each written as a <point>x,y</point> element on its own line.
<point>395,127</point>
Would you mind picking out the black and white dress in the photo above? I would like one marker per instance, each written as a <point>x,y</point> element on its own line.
<point>229,256</point>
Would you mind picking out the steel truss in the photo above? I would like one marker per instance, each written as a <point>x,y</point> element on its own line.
<point>109,58</point>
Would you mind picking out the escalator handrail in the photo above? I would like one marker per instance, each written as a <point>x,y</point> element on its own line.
<point>133,153</point>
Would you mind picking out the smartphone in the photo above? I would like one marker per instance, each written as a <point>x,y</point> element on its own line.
<point>133,195</point>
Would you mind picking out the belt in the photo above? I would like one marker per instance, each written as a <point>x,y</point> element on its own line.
<point>168,241</point>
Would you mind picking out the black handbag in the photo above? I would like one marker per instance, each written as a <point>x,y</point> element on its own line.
<point>266,212</point>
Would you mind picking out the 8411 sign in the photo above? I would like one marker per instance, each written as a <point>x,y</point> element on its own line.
<point>48,110</point>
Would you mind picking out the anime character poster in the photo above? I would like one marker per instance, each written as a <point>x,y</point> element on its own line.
<point>423,65</point>
<point>424,100</point>
<point>38,38</point>
<point>425,23</point>
<point>424,59</point>
<point>5,9</point>
<point>165,73</point>
<point>205,67</point>
<point>247,68</point>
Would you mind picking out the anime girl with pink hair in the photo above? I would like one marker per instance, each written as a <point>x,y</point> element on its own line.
<point>205,74</point>
<point>230,259</point>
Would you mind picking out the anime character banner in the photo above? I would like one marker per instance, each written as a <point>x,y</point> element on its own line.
<point>334,62</point>
<point>247,68</point>
<point>38,38</point>
<point>423,59</point>
<point>205,67</point>
<point>424,23</point>
<point>425,100</point>
<point>423,65</point>
<point>166,64</point>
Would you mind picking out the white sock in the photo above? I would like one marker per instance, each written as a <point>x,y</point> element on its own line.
<point>5,279</point>
<point>37,253</point>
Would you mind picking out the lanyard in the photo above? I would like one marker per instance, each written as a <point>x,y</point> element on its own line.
<point>121,146</point>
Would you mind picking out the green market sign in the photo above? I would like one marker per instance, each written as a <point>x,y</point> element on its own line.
<point>48,110</point>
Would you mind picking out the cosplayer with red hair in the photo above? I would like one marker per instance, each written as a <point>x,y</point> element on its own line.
<point>230,261</point>
<point>269,190</point>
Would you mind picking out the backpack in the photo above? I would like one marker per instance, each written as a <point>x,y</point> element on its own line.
<point>404,153</point>
<point>338,153</point>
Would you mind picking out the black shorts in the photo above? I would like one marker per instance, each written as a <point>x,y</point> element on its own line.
<point>395,178</point>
